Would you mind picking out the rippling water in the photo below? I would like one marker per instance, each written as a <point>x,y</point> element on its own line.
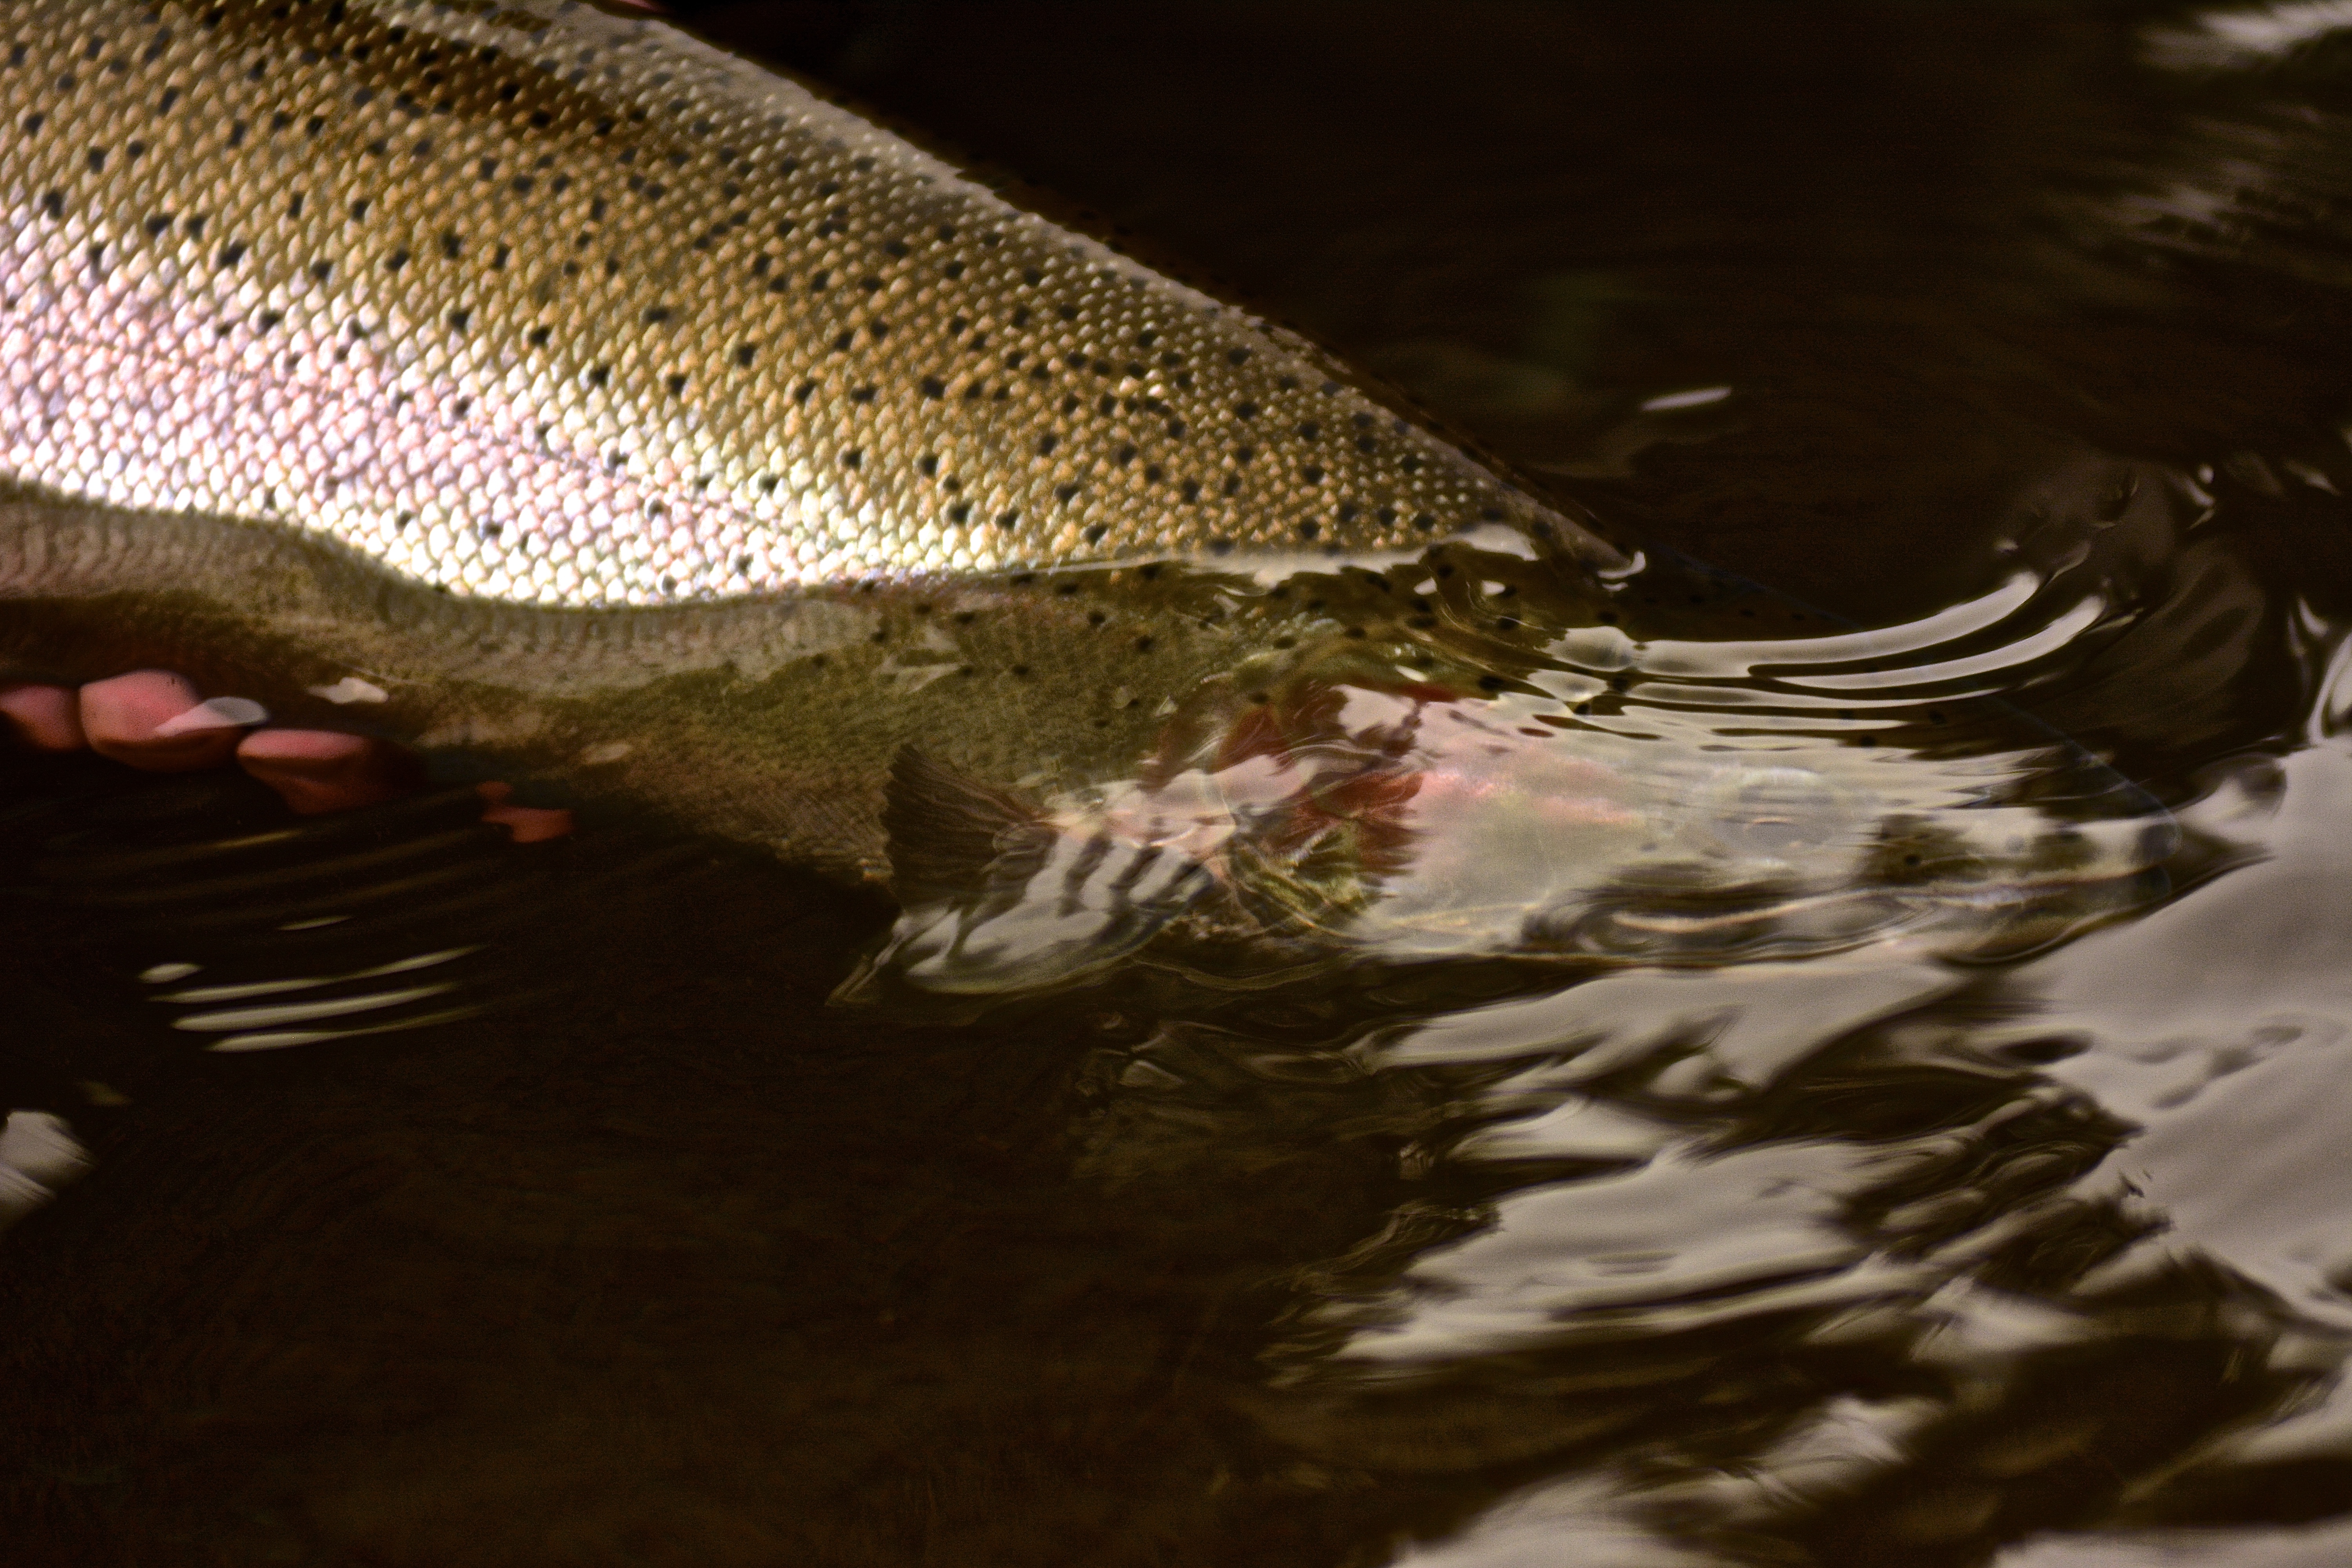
<point>1629,1151</point>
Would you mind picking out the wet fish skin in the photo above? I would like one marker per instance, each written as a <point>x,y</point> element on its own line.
<point>770,720</point>
<point>431,342</point>
<point>387,272</point>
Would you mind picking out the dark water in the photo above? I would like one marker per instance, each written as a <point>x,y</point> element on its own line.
<point>2036,1254</point>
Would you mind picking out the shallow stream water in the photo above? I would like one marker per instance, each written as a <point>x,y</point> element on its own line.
<point>2007,345</point>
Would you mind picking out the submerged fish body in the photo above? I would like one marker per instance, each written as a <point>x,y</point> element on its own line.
<point>313,314</point>
<point>1407,809</point>
<point>542,385</point>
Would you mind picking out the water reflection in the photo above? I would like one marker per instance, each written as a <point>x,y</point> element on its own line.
<point>1548,764</point>
<point>1766,1200</point>
<point>1794,1252</point>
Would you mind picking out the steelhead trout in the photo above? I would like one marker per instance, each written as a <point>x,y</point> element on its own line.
<point>544,384</point>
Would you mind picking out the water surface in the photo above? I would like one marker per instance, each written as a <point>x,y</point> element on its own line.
<point>2013,337</point>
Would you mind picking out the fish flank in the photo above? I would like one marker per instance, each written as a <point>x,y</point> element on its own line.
<point>539,304</point>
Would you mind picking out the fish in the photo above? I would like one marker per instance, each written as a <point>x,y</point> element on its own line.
<point>554,392</point>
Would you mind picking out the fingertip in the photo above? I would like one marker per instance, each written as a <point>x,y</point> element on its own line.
<point>46,718</point>
<point>319,771</point>
<point>122,719</point>
<point>524,823</point>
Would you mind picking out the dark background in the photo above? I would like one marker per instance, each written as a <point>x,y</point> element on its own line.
<point>663,1262</point>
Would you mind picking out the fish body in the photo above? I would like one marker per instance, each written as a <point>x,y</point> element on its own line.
<point>589,391</point>
<point>552,391</point>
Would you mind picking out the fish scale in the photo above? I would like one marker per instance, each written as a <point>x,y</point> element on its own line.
<point>585,406</point>
<point>540,304</point>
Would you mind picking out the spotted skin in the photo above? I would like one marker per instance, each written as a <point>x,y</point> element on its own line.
<point>539,304</point>
<point>639,424</point>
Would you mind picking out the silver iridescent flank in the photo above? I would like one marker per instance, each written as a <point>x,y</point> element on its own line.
<point>618,414</point>
<point>554,307</point>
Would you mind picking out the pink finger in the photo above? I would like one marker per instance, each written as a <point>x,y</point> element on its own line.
<point>316,771</point>
<point>46,718</point>
<point>122,717</point>
<point>524,823</point>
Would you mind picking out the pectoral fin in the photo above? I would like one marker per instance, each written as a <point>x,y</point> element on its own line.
<point>996,900</point>
<point>947,834</point>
